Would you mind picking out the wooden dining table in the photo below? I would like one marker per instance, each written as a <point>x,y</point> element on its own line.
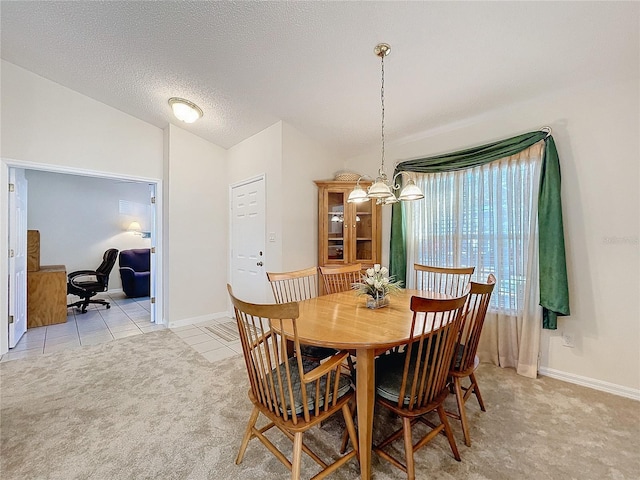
<point>343,321</point>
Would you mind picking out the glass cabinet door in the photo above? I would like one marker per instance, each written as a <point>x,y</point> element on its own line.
<point>364,221</point>
<point>347,232</point>
<point>335,226</point>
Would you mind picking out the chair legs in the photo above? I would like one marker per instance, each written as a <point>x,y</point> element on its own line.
<point>348,413</point>
<point>410,448</point>
<point>462,414</point>
<point>449,432</point>
<point>297,456</point>
<point>298,445</point>
<point>476,390</point>
<point>247,434</point>
<point>83,304</point>
<point>462,395</point>
<point>346,434</point>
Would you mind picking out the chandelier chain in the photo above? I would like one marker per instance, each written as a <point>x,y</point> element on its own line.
<point>382,172</point>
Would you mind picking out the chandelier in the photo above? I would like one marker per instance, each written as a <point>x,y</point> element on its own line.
<point>382,189</point>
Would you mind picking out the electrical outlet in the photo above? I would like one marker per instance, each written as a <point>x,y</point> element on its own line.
<point>568,340</point>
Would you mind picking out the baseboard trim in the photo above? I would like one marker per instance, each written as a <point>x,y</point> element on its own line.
<point>632,393</point>
<point>183,322</point>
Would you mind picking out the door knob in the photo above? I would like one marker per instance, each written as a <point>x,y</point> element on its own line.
<point>259,264</point>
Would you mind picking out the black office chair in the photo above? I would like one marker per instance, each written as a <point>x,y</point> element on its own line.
<point>88,283</point>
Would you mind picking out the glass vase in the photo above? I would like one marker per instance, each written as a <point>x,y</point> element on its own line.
<point>379,302</point>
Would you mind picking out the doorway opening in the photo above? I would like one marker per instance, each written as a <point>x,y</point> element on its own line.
<point>75,231</point>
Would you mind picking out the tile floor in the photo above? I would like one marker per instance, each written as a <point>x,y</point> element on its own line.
<point>126,317</point>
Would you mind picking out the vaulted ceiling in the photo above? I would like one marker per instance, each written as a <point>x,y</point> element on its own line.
<point>311,64</point>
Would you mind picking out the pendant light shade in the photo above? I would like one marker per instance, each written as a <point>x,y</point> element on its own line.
<point>379,189</point>
<point>411,192</point>
<point>390,200</point>
<point>357,195</point>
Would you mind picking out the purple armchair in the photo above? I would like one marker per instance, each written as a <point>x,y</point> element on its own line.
<point>135,272</point>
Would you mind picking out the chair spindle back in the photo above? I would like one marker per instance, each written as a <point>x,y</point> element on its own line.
<point>434,331</point>
<point>451,281</point>
<point>340,278</point>
<point>474,314</point>
<point>294,286</point>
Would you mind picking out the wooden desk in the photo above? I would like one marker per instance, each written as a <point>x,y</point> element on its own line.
<point>342,320</point>
<point>47,296</point>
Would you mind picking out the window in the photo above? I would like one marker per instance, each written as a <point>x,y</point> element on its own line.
<point>482,217</point>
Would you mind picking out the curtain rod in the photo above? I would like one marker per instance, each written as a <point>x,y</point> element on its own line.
<point>546,129</point>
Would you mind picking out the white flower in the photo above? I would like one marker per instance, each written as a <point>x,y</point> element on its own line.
<point>376,282</point>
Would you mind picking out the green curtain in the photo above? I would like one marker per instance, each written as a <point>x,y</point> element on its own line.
<point>554,288</point>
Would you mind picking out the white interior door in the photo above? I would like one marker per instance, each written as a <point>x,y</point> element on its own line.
<point>248,231</point>
<point>17,255</point>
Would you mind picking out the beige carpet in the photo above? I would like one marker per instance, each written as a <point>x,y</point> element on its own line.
<point>149,407</point>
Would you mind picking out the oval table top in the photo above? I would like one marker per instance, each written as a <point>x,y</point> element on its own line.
<point>343,321</point>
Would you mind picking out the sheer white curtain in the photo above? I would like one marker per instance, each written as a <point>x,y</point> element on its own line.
<point>487,217</point>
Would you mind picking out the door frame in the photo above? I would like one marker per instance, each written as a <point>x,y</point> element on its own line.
<point>17,263</point>
<point>261,177</point>
<point>5,164</point>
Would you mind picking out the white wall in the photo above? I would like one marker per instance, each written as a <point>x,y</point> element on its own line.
<point>595,127</point>
<point>79,218</point>
<point>303,161</point>
<point>47,123</point>
<point>196,227</point>
<point>257,155</point>
<point>290,161</point>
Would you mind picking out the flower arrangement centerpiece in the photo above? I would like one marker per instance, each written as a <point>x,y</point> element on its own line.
<point>377,284</point>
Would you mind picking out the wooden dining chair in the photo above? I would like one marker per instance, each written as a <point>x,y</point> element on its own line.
<point>292,393</point>
<point>465,360</point>
<point>340,278</point>
<point>414,383</point>
<point>296,286</point>
<point>451,281</point>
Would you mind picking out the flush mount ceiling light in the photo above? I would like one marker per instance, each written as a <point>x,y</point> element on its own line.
<point>382,188</point>
<point>184,110</point>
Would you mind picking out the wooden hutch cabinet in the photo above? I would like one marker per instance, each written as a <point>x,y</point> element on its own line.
<point>347,232</point>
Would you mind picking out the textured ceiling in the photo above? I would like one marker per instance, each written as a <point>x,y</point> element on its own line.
<point>311,64</point>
